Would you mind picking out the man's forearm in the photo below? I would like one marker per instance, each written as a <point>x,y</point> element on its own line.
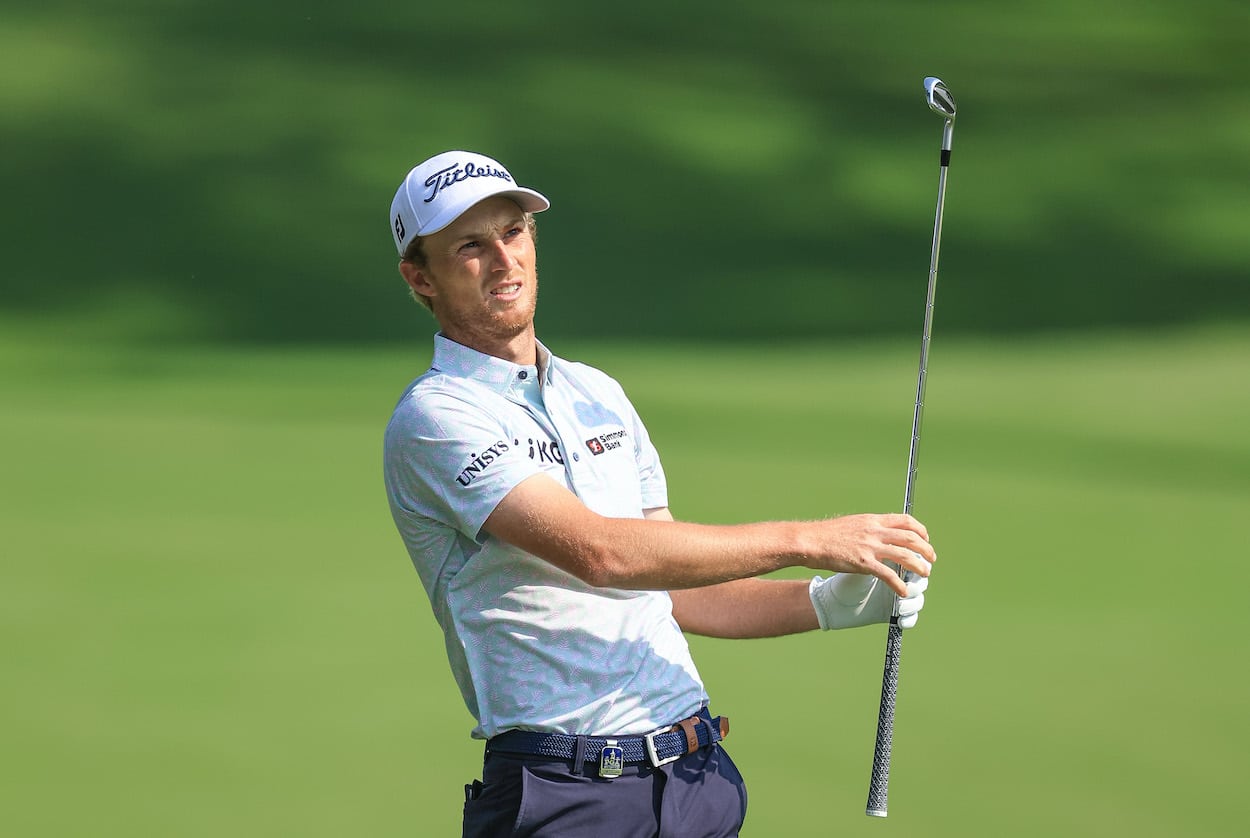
<point>653,554</point>
<point>746,608</point>
<point>547,520</point>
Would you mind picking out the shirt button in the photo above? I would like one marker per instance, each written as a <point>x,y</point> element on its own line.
<point>523,374</point>
<point>575,457</point>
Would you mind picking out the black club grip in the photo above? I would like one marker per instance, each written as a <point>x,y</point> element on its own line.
<point>879,786</point>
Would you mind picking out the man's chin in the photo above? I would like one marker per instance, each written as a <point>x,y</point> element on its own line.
<point>516,318</point>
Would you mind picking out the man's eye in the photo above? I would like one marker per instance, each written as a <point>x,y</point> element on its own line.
<point>468,245</point>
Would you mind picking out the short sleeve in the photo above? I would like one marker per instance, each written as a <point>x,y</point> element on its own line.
<point>651,479</point>
<point>451,460</point>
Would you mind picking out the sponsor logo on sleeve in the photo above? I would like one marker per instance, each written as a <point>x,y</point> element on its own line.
<point>478,462</point>
<point>539,450</point>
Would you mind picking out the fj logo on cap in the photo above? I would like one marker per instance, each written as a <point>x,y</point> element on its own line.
<point>399,227</point>
<point>453,174</point>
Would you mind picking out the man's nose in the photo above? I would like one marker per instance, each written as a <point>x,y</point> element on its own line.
<point>503,256</point>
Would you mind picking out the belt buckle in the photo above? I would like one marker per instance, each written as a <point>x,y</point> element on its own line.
<point>611,760</point>
<point>649,741</point>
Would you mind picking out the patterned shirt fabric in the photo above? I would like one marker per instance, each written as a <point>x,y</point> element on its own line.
<point>531,646</point>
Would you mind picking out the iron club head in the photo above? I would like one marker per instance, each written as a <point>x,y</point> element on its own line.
<point>939,98</point>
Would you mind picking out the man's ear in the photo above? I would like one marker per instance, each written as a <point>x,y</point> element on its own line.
<point>416,279</point>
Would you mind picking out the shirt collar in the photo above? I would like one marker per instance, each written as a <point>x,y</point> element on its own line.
<point>495,373</point>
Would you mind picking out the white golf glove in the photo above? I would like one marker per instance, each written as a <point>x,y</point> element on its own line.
<point>847,600</point>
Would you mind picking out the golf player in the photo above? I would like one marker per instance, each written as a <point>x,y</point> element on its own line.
<point>534,507</point>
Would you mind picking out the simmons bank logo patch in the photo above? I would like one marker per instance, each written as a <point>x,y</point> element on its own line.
<point>605,442</point>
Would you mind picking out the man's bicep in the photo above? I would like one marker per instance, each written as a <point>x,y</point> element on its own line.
<point>547,520</point>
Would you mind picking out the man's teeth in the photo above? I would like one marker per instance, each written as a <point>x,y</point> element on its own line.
<point>508,289</point>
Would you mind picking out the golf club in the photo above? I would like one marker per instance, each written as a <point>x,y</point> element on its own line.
<point>940,102</point>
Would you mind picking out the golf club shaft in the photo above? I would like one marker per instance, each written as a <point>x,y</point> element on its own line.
<point>918,414</point>
<point>879,784</point>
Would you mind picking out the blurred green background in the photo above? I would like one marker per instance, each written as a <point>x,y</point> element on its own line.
<point>209,624</point>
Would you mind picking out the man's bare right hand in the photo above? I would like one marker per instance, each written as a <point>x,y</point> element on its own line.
<point>865,543</point>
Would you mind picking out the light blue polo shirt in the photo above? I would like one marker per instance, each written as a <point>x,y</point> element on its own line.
<point>531,646</point>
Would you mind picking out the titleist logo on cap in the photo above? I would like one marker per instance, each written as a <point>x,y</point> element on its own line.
<point>455,173</point>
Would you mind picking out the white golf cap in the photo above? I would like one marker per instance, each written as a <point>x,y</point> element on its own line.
<point>439,190</point>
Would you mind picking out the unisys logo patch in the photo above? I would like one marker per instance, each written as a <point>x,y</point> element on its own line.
<point>480,461</point>
<point>540,450</point>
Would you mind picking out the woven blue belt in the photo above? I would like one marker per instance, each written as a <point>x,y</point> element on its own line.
<point>655,748</point>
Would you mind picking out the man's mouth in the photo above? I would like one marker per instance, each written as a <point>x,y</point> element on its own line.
<point>506,290</point>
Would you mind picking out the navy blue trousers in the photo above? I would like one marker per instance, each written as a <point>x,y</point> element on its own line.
<point>700,795</point>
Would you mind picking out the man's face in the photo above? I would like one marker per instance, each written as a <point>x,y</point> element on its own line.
<point>481,276</point>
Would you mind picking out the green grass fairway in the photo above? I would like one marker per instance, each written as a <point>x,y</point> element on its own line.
<point>210,627</point>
